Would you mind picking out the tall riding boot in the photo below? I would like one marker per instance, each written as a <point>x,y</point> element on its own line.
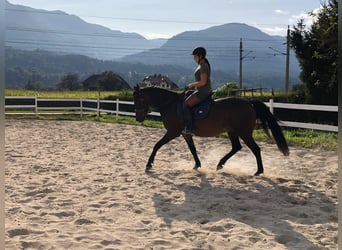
<point>189,127</point>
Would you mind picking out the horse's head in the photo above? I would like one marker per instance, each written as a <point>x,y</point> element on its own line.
<point>141,106</point>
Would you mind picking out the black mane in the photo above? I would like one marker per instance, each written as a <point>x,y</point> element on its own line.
<point>159,97</point>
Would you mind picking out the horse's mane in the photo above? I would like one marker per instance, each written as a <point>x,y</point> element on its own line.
<point>160,96</point>
<point>159,90</point>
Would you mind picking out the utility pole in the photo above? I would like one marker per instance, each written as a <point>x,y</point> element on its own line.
<point>287,60</point>
<point>241,58</point>
<point>287,54</point>
<point>240,73</point>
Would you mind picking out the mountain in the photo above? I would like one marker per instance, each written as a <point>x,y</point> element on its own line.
<point>47,68</point>
<point>29,28</point>
<point>75,43</point>
<point>223,50</point>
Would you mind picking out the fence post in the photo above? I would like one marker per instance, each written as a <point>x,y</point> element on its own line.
<point>36,105</point>
<point>117,109</point>
<point>81,108</point>
<point>271,106</point>
<point>98,108</point>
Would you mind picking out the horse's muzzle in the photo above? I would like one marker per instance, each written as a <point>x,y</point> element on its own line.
<point>139,119</point>
<point>140,115</point>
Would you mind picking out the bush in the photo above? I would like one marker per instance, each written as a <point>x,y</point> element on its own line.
<point>124,95</point>
<point>229,89</point>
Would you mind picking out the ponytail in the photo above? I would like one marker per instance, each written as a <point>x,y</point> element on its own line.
<point>206,60</point>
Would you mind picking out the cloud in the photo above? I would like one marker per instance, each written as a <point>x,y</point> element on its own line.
<point>275,31</point>
<point>282,12</point>
<point>308,19</point>
<point>156,36</point>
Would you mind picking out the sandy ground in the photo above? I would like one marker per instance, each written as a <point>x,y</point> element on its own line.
<point>82,185</point>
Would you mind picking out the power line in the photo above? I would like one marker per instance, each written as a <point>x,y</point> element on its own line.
<point>122,50</point>
<point>170,51</point>
<point>61,13</point>
<point>130,36</point>
<point>109,17</point>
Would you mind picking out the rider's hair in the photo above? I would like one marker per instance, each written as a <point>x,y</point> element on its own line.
<point>201,53</point>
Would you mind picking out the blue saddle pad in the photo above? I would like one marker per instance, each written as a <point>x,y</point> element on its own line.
<point>201,110</point>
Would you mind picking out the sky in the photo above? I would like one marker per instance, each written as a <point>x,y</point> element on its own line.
<point>164,19</point>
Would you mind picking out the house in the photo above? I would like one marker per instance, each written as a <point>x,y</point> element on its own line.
<point>160,81</point>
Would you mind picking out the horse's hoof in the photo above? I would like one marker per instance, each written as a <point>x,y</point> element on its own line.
<point>148,167</point>
<point>219,167</point>
<point>258,173</point>
<point>196,167</point>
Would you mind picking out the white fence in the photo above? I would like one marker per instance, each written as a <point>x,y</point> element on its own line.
<point>326,108</point>
<point>32,105</point>
<point>35,106</point>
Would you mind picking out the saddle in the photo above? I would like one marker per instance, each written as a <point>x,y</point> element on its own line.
<point>199,111</point>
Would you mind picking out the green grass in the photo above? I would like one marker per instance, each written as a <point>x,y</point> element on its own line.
<point>305,138</point>
<point>66,94</point>
<point>295,137</point>
<point>313,139</point>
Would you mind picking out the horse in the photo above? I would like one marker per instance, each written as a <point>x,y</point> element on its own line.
<point>235,116</point>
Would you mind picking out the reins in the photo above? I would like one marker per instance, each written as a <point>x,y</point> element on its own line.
<point>179,95</point>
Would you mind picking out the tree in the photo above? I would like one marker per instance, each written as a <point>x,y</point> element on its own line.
<point>316,51</point>
<point>228,89</point>
<point>110,81</point>
<point>70,81</point>
<point>32,86</point>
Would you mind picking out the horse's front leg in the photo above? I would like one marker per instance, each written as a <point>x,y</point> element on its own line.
<point>191,145</point>
<point>165,139</point>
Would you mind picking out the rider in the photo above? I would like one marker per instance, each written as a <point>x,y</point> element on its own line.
<point>202,87</point>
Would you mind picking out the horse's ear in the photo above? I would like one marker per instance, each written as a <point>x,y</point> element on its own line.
<point>136,88</point>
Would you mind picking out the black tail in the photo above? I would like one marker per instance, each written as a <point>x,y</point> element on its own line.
<point>269,121</point>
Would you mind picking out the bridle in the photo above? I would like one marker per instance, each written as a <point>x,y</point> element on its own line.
<point>141,112</point>
<point>141,108</point>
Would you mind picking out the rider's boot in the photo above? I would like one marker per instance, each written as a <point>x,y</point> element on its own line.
<point>189,126</point>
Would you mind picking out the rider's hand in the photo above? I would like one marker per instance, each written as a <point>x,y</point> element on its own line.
<point>190,86</point>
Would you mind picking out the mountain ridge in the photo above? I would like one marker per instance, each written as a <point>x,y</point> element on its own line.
<point>223,50</point>
<point>35,29</point>
<point>29,28</point>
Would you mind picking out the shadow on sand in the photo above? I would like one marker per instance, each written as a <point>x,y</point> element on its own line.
<point>262,203</point>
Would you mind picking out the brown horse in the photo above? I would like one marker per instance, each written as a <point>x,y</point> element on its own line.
<point>235,116</point>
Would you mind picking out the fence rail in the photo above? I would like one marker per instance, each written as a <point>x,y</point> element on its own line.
<point>80,106</point>
<point>325,108</point>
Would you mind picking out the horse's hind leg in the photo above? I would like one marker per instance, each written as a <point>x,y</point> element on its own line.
<point>191,145</point>
<point>236,146</point>
<point>256,151</point>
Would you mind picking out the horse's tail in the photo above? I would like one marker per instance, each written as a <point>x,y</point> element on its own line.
<point>269,121</point>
